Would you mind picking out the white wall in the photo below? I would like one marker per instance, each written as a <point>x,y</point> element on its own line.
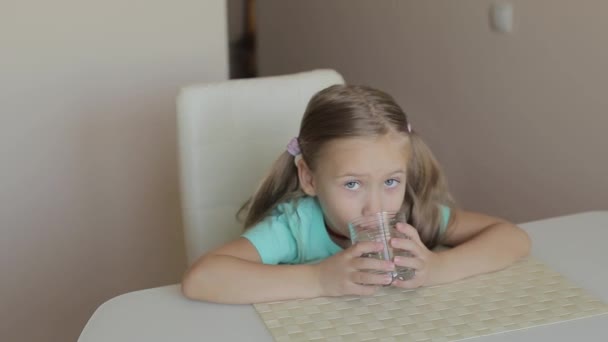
<point>88,168</point>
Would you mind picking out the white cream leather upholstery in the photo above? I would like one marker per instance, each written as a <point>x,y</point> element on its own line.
<point>229,134</point>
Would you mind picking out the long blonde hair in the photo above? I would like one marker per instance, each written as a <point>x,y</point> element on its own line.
<point>346,111</point>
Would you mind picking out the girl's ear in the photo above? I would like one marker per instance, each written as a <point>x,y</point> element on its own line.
<point>305,177</point>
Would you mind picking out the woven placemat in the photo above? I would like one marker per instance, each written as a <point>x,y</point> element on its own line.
<point>524,295</point>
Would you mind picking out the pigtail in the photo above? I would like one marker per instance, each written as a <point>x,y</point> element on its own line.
<point>279,185</point>
<point>426,189</point>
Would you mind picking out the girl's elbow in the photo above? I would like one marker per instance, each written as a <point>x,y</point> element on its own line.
<point>192,287</point>
<point>188,286</point>
<point>525,244</point>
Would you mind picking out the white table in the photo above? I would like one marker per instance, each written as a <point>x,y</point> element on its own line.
<point>575,246</point>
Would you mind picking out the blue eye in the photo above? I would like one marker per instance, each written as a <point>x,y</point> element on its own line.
<point>352,185</point>
<point>391,183</point>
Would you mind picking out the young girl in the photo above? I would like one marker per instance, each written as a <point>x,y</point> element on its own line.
<point>356,154</point>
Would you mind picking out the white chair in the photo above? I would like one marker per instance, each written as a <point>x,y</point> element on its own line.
<point>229,134</point>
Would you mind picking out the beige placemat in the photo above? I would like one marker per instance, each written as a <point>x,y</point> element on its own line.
<point>524,295</point>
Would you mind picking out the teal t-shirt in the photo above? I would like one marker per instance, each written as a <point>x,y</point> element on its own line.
<point>295,233</point>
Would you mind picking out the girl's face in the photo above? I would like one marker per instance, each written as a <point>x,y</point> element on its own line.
<point>358,176</point>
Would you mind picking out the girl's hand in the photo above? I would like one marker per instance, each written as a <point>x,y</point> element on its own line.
<point>424,261</point>
<point>347,273</point>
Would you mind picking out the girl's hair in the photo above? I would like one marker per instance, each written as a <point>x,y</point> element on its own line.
<point>346,111</point>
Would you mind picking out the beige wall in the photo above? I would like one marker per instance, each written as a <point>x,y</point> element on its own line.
<point>88,167</point>
<point>519,121</point>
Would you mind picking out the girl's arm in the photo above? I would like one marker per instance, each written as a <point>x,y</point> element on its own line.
<point>234,274</point>
<point>480,244</point>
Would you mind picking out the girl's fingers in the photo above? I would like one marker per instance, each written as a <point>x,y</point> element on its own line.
<point>406,245</point>
<point>373,264</point>
<point>408,262</point>
<point>369,278</point>
<point>409,231</point>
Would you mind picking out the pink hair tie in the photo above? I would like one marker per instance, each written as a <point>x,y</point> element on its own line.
<point>294,147</point>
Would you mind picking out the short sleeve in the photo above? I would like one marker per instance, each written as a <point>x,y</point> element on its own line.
<point>273,240</point>
<point>445,219</point>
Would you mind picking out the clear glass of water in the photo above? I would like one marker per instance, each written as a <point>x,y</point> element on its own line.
<point>381,227</point>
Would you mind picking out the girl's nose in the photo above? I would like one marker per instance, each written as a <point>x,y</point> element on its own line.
<point>373,204</point>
